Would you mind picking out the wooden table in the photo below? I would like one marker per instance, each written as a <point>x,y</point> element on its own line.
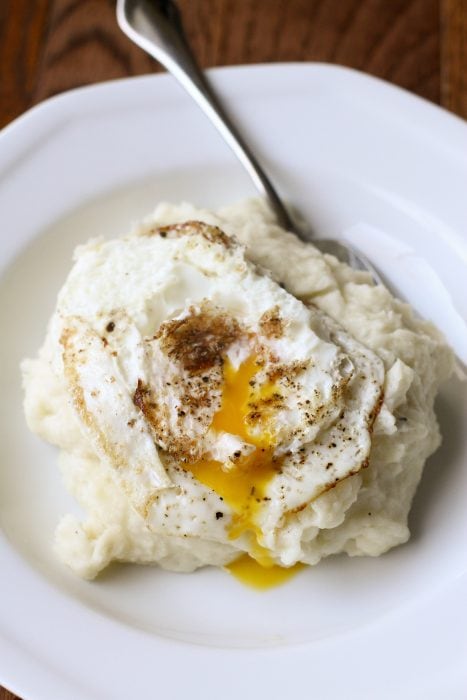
<point>48,46</point>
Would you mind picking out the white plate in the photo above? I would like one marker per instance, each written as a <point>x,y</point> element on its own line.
<point>362,160</point>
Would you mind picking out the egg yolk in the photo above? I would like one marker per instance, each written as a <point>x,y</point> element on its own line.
<point>253,574</point>
<point>243,485</point>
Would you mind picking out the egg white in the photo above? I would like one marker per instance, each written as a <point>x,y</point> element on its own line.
<point>107,332</point>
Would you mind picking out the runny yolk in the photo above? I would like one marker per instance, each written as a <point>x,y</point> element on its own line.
<point>251,572</point>
<point>243,486</point>
<point>235,396</point>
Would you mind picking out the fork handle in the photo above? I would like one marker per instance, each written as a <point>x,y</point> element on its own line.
<point>156,27</point>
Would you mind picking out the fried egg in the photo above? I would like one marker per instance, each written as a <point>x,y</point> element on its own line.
<point>221,402</point>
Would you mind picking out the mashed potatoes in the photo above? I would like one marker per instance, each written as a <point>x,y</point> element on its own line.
<point>217,394</point>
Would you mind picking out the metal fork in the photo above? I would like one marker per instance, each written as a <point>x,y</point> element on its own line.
<point>156,26</point>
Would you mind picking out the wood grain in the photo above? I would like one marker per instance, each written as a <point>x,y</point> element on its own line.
<point>77,42</point>
<point>454,56</point>
<point>48,46</point>
<point>6,695</point>
<point>23,32</point>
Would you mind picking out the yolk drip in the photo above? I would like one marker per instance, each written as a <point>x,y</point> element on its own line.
<point>243,486</point>
<point>249,571</point>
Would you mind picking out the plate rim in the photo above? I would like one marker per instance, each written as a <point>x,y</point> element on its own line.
<point>63,100</point>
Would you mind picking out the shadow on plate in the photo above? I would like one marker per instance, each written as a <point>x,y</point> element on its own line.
<point>440,471</point>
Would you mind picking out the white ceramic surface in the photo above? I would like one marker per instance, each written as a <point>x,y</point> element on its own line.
<point>362,160</point>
